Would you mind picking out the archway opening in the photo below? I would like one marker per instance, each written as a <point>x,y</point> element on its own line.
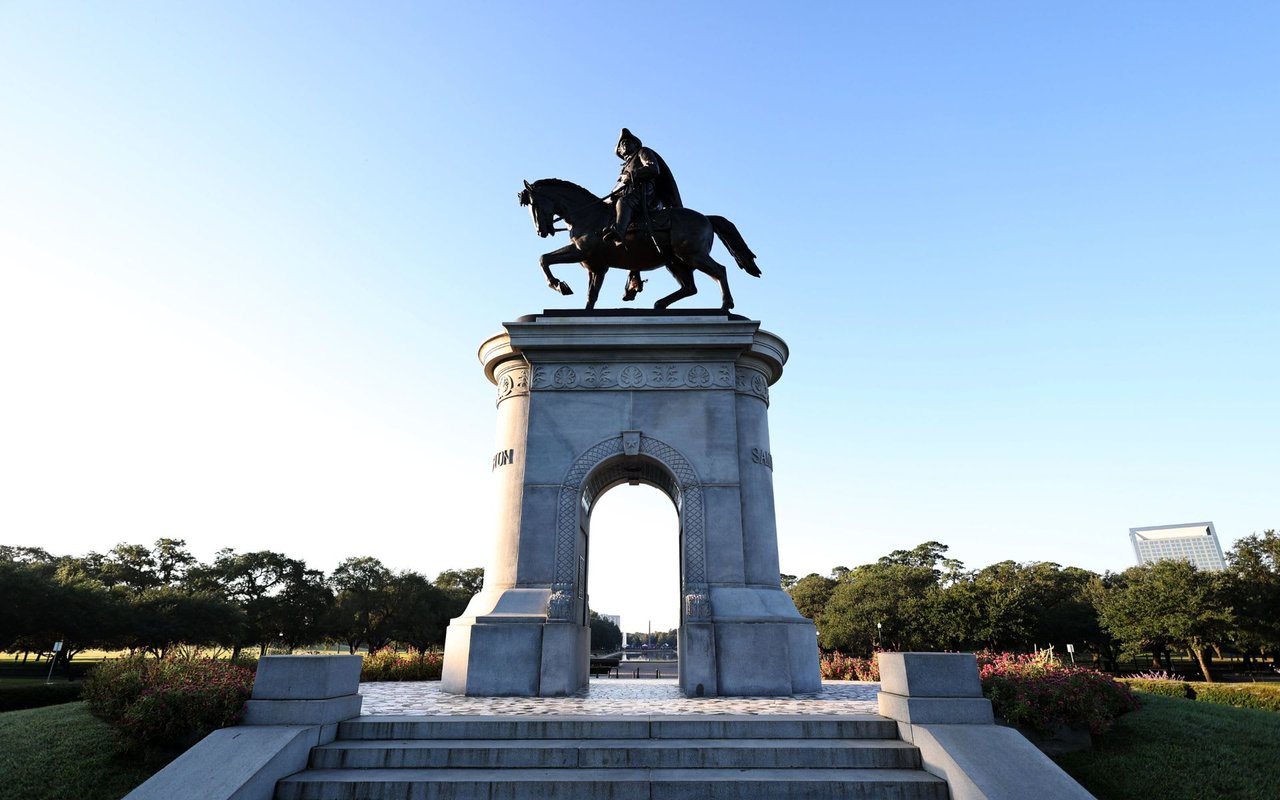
<point>634,563</point>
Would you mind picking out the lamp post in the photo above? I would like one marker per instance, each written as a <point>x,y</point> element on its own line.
<point>877,635</point>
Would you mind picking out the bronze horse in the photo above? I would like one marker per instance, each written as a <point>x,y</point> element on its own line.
<point>682,246</point>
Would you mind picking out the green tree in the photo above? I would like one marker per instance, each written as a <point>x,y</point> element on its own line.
<point>811,594</point>
<point>1253,577</point>
<point>605,636</point>
<point>363,606</point>
<point>468,581</point>
<point>164,617</point>
<point>899,597</point>
<point>256,582</point>
<point>1167,604</point>
<point>420,612</point>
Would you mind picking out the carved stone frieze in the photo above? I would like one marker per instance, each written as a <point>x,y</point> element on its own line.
<point>749,381</point>
<point>513,382</point>
<point>632,376</point>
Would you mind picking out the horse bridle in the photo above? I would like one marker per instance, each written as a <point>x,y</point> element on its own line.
<point>528,191</point>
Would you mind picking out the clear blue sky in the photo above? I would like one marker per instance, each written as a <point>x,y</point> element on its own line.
<point>1025,255</point>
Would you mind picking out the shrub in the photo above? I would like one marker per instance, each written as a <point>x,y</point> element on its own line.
<point>1246,695</point>
<point>1158,675</point>
<point>1039,692</point>
<point>1164,688</point>
<point>13,698</point>
<point>838,667</point>
<point>168,702</point>
<point>387,665</point>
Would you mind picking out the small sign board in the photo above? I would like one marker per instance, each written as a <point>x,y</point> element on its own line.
<point>57,647</point>
<point>1071,648</point>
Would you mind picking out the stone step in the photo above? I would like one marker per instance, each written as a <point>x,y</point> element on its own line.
<point>688,726</point>
<point>616,753</point>
<point>611,784</point>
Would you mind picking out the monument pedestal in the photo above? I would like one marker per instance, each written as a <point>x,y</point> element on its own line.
<point>591,400</point>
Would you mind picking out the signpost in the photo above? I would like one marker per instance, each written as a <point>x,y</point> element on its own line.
<point>57,648</point>
<point>1071,650</point>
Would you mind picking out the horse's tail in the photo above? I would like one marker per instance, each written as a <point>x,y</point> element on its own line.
<point>734,243</point>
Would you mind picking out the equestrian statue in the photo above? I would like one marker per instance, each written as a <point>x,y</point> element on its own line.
<point>641,225</point>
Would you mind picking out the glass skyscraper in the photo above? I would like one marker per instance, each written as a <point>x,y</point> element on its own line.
<point>1196,542</point>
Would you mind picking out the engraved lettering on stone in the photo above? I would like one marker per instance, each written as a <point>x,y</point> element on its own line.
<point>503,458</point>
<point>762,457</point>
<point>631,377</point>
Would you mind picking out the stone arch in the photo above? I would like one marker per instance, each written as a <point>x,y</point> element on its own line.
<point>632,456</point>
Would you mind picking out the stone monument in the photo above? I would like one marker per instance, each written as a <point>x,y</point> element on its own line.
<point>590,400</point>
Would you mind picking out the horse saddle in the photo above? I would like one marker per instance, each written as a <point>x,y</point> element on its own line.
<point>659,220</point>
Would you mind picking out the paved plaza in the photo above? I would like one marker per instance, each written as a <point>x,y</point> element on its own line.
<point>613,696</point>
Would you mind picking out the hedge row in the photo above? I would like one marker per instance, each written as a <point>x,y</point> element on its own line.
<point>13,698</point>
<point>1263,696</point>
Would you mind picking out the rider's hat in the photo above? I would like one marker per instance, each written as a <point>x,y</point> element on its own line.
<point>626,134</point>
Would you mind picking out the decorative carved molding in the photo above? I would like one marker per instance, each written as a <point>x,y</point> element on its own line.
<point>559,377</point>
<point>697,606</point>
<point>693,581</point>
<point>560,605</point>
<point>513,382</point>
<point>752,382</point>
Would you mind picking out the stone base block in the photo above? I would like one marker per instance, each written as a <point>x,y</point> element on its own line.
<point>936,710</point>
<point>306,677</point>
<point>566,656</point>
<point>329,711</point>
<point>493,659</point>
<point>766,658</point>
<point>696,644</point>
<point>930,674</point>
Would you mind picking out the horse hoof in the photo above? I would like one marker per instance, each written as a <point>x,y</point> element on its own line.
<point>564,289</point>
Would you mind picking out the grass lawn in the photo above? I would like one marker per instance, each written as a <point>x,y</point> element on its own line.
<point>60,752</point>
<point>1183,750</point>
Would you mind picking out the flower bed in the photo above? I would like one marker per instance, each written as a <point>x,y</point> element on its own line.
<point>168,702</point>
<point>838,667</point>
<point>387,665</point>
<point>1040,693</point>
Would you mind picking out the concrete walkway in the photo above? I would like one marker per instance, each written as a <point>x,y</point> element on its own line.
<point>615,696</point>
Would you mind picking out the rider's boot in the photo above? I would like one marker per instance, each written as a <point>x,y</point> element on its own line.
<point>634,287</point>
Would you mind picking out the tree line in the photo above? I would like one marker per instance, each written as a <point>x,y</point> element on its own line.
<point>149,599</point>
<point>920,599</point>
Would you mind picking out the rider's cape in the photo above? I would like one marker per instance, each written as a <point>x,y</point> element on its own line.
<point>664,186</point>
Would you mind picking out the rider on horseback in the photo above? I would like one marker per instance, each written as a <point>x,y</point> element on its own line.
<point>644,183</point>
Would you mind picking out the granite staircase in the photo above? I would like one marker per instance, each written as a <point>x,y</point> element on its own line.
<point>689,757</point>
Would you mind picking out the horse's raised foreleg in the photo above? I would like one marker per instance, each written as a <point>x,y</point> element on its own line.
<point>568,254</point>
<point>684,276</point>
